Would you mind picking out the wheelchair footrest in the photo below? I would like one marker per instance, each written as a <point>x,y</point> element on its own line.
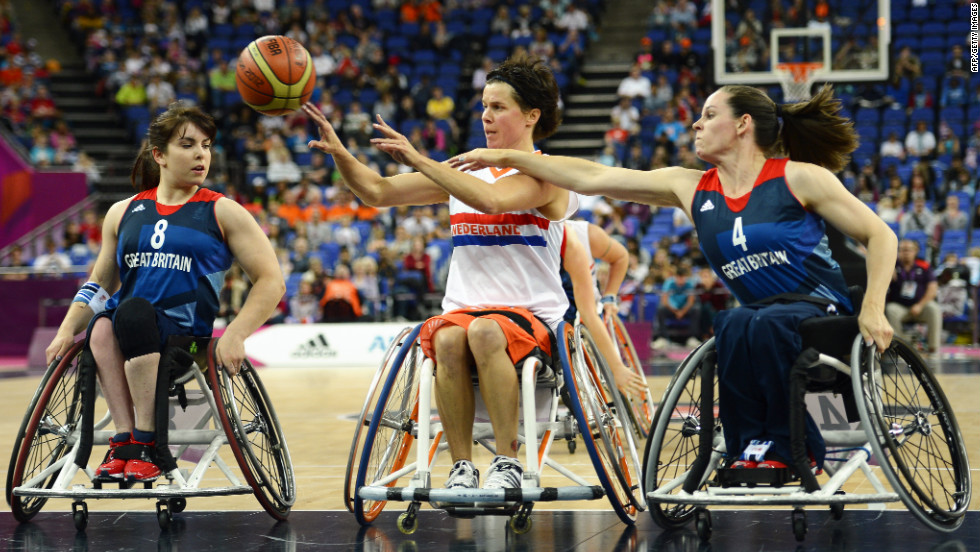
<point>774,477</point>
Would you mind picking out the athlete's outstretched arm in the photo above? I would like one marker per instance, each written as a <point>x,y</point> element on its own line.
<point>576,262</point>
<point>513,193</point>
<point>671,186</point>
<point>371,187</point>
<point>254,253</point>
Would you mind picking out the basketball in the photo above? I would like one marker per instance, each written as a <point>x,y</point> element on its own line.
<point>275,75</point>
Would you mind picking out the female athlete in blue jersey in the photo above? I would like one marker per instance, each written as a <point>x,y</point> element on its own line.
<point>760,218</point>
<point>164,252</point>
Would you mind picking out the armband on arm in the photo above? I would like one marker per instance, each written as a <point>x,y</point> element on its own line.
<point>93,295</point>
<point>607,299</point>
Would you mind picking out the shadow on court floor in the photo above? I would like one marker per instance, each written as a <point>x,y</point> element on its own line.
<point>859,530</point>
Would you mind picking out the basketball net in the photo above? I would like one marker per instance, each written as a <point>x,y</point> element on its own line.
<point>796,78</point>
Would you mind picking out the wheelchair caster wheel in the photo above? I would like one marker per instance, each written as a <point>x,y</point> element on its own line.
<point>520,523</point>
<point>164,514</point>
<point>836,511</point>
<point>408,523</point>
<point>702,523</point>
<point>177,505</point>
<point>79,515</point>
<point>571,447</point>
<point>799,524</point>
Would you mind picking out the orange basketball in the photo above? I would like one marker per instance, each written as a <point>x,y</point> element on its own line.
<point>275,75</point>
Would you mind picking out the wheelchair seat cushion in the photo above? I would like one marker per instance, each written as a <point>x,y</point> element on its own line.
<point>830,335</point>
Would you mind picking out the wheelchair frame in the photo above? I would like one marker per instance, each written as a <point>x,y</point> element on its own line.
<point>392,418</point>
<point>893,422</point>
<point>45,459</point>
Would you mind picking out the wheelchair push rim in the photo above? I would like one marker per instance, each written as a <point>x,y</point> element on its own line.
<point>914,434</point>
<point>363,420</point>
<point>254,435</point>
<point>640,408</point>
<point>675,430</point>
<point>391,432</point>
<point>47,432</point>
<point>594,416</point>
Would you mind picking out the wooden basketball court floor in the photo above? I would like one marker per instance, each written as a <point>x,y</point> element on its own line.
<point>317,408</point>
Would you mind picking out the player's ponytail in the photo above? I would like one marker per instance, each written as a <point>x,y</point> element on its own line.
<point>812,131</point>
<point>146,172</point>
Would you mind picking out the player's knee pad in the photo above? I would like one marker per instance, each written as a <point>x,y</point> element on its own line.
<point>135,326</point>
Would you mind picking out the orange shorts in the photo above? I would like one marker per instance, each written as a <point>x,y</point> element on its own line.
<point>526,334</point>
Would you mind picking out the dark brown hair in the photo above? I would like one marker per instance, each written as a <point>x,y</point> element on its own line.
<point>534,88</point>
<point>146,173</point>
<point>812,131</point>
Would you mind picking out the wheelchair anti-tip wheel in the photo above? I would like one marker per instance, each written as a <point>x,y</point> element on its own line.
<point>254,434</point>
<point>915,435</point>
<point>598,421</point>
<point>640,408</point>
<point>391,432</point>
<point>675,438</point>
<point>370,403</point>
<point>48,432</point>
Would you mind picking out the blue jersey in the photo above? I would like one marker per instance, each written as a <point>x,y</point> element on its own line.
<point>765,242</point>
<point>175,257</point>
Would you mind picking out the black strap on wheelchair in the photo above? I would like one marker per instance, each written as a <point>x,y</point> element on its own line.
<point>174,361</point>
<point>799,375</point>
<point>86,388</point>
<point>707,431</point>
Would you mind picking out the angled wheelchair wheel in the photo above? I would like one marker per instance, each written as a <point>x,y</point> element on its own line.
<point>391,433</point>
<point>675,438</point>
<point>254,434</point>
<point>370,403</point>
<point>640,408</point>
<point>48,432</point>
<point>914,434</point>
<point>605,436</point>
<point>622,441</point>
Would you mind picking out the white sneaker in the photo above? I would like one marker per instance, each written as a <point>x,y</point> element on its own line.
<point>661,343</point>
<point>692,343</point>
<point>505,473</point>
<point>464,475</point>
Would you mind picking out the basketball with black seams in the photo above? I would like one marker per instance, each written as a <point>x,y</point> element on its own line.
<point>275,75</point>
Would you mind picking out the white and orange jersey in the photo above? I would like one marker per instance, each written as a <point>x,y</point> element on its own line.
<point>509,259</point>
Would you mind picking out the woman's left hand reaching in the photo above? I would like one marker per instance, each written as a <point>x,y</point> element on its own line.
<point>396,145</point>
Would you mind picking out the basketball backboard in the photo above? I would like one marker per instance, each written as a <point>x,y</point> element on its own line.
<point>848,42</point>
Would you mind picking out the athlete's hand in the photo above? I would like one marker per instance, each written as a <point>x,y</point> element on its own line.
<point>328,143</point>
<point>875,328</point>
<point>59,346</point>
<point>479,158</point>
<point>395,144</point>
<point>629,382</point>
<point>230,353</point>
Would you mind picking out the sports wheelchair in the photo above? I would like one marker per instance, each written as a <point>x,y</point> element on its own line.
<point>51,454</point>
<point>899,424</point>
<point>398,439</point>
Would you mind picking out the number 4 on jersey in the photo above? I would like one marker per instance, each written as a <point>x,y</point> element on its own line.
<point>738,236</point>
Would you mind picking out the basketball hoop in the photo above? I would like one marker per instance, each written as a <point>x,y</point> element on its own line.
<point>796,79</point>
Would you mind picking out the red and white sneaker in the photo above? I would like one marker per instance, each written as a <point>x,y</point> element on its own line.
<point>744,465</point>
<point>141,468</point>
<point>112,468</point>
